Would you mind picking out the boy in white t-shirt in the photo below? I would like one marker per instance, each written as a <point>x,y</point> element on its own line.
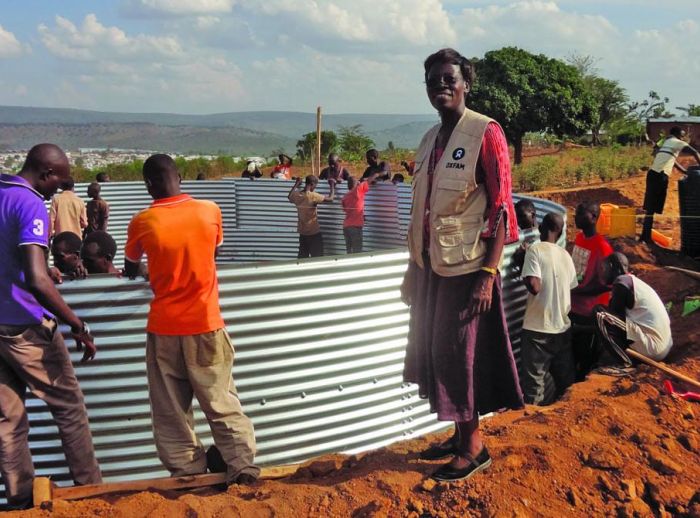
<point>549,276</point>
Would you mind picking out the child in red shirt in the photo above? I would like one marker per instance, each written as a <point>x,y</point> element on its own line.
<point>590,250</point>
<point>354,207</point>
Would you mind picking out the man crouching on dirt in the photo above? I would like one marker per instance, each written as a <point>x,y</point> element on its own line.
<point>188,351</point>
<point>635,318</point>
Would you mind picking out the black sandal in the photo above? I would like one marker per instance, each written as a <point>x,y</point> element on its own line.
<point>447,473</point>
<point>440,451</point>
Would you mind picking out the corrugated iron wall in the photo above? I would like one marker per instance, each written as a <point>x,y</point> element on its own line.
<point>319,343</point>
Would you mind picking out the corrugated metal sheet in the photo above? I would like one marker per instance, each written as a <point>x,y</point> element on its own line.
<point>127,198</point>
<point>319,343</point>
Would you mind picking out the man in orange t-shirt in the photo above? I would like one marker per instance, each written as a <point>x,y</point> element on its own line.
<point>188,351</point>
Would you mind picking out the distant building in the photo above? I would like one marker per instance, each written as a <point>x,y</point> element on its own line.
<point>690,124</point>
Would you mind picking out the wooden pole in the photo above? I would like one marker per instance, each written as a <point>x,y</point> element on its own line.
<point>318,141</point>
<point>664,368</point>
<point>46,491</point>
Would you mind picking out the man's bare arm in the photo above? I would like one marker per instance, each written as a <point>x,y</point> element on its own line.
<point>131,269</point>
<point>42,287</point>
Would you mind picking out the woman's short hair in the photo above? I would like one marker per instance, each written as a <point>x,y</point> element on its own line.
<point>452,57</point>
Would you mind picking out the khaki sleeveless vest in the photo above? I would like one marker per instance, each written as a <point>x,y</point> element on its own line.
<point>457,204</point>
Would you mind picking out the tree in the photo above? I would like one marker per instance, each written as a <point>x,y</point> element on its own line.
<point>306,147</point>
<point>653,107</point>
<point>353,142</point>
<point>692,110</point>
<point>610,104</point>
<point>527,92</point>
<point>609,98</point>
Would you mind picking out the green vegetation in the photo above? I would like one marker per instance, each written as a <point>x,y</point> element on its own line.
<point>353,142</point>
<point>692,110</point>
<point>573,166</point>
<point>189,169</point>
<point>528,92</point>
<point>306,147</point>
<point>350,142</point>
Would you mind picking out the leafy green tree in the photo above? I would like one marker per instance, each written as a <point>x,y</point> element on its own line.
<point>610,104</point>
<point>653,107</point>
<point>307,145</point>
<point>531,92</point>
<point>692,110</point>
<point>354,142</point>
<point>610,99</point>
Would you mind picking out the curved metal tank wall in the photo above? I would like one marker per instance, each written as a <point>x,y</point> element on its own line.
<point>319,343</point>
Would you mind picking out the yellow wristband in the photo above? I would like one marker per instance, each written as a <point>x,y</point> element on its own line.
<point>492,271</point>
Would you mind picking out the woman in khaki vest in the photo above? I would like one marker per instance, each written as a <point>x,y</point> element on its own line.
<point>459,352</point>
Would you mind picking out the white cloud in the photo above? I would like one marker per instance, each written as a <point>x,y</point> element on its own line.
<point>347,55</point>
<point>534,24</point>
<point>661,59</point>
<point>207,22</point>
<point>93,41</point>
<point>178,7</point>
<point>10,46</point>
<point>417,22</point>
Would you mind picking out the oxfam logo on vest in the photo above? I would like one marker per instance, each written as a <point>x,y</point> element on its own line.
<point>458,154</point>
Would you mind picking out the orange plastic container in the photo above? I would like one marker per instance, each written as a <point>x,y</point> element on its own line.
<point>604,220</point>
<point>623,222</point>
<point>661,239</point>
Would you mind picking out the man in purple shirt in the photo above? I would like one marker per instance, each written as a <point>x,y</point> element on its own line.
<point>33,354</point>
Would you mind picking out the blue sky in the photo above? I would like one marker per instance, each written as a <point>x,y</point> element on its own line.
<point>350,56</point>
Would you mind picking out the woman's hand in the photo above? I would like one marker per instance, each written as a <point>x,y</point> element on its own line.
<point>480,299</point>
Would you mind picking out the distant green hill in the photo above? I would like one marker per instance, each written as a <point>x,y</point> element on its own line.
<point>236,133</point>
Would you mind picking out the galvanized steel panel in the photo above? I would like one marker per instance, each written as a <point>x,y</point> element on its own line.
<point>319,343</point>
<point>125,199</point>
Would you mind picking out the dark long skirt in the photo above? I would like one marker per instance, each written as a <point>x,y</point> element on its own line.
<point>463,366</point>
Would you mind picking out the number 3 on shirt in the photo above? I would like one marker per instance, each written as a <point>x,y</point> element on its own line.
<point>38,229</point>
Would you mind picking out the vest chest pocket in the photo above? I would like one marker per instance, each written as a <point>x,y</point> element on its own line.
<point>456,244</point>
<point>451,196</point>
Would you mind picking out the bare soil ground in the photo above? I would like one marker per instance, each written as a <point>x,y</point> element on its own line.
<point>610,447</point>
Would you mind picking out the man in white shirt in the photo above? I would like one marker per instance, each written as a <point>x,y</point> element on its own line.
<point>658,175</point>
<point>635,318</point>
<point>549,276</point>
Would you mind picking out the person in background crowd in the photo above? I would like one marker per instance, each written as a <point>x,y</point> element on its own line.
<point>354,206</point>
<point>459,352</point>
<point>283,170</point>
<point>201,176</point>
<point>635,318</point>
<point>527,223</point>
<point>65,249</point>
<point>310,237</point>
<point>397,179</point>
<point>68,212</point>
<point>374,166</point>
<point>102,178</point>
<point>334,171</point>
<point>98,251</point>
<point>545,343</point>
<point>409,166</point>
<point>97,210</point>
<point>658,175</point>
<point>188,351</point>
<point>527,216</point>
<point>33,354</point>
<point>589,251</point>
<point>251,171</point>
